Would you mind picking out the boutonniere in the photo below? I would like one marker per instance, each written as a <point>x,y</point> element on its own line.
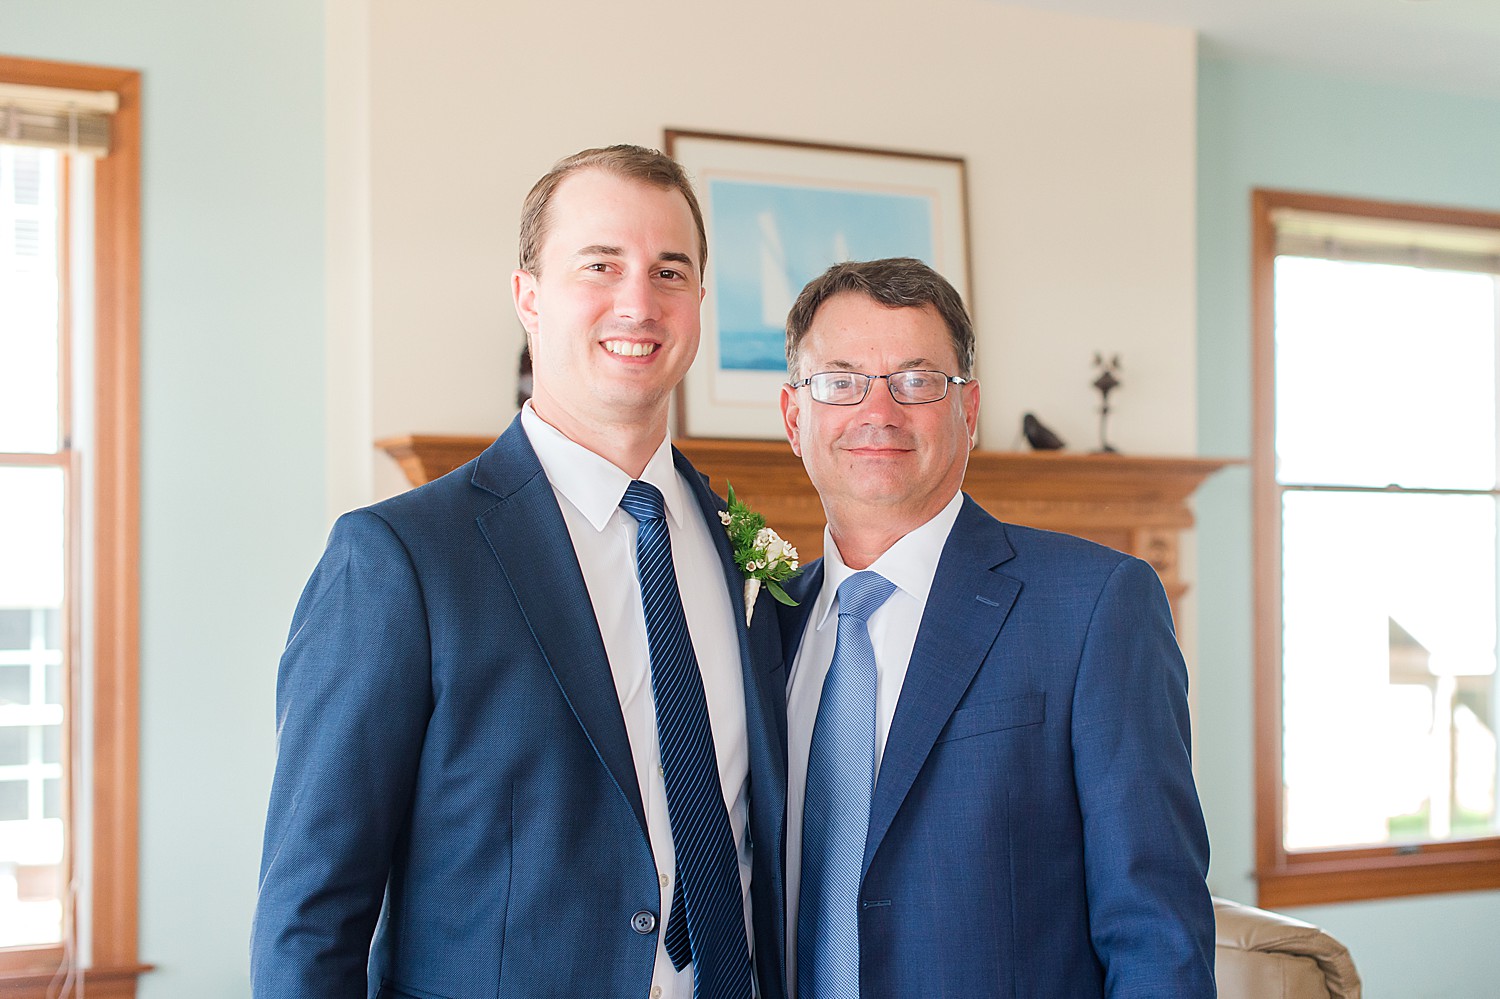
<point>761,554</point>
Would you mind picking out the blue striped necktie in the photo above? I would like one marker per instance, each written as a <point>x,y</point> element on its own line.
<point>836,816</point>
<point>707,922</point>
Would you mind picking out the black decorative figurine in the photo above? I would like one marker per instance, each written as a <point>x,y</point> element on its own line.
<point>1105,383</point>
<point>1040,436</point>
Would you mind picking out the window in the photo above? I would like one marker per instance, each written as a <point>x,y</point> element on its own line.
<point>1377,562</point>
<point>69,417</point>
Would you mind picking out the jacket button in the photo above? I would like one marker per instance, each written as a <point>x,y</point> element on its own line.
<point>643,922</point>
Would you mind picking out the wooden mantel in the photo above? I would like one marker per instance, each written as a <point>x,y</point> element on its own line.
<point>1136,504</point>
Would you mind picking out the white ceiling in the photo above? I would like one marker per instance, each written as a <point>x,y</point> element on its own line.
<point>1445,45</point>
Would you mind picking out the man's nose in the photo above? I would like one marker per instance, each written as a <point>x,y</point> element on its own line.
<point>879,406</point>
<point>637,298</point>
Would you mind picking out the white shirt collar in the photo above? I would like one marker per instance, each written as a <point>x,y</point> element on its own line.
<point>910,563</point>
<point>593,484</point>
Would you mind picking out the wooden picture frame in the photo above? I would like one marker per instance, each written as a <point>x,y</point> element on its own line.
<point>778,213</point>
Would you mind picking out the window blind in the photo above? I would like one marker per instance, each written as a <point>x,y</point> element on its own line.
<point>1332,236</point>
<point>72,120</point>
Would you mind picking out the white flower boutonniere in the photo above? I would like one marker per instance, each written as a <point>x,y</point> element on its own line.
<point>761,554</point>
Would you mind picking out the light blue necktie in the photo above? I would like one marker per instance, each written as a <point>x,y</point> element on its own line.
<point>707,923</point>
<point>836,816</point>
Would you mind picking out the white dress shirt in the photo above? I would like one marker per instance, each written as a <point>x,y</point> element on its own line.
<point>910,564</point>
<point>588,489</point>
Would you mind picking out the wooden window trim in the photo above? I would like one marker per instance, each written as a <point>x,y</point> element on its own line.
<point>1288,878</point>
<point>28,972</point>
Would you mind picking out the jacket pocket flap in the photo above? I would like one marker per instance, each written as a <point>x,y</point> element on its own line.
<point>993,716</point>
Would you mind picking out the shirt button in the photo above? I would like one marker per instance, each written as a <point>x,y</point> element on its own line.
<point>656,992</point>
<point>643,922</point>
<point>665,880</point>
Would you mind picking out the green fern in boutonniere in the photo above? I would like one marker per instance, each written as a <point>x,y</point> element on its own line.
<point>764,558</point>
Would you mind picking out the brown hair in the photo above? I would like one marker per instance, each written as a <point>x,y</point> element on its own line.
<point>633,162</point>
<point>898,282</point>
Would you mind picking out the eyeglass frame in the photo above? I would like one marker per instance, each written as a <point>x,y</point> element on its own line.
<point>871,379</point>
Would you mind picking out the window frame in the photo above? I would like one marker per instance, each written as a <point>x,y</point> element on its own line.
<point>1292,878</point>
<point>115,546</point>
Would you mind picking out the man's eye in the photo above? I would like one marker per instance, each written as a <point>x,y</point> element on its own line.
<point>918,380</point>
<point>841,383</point>
<point>597,267</point>
<point>669,274</point>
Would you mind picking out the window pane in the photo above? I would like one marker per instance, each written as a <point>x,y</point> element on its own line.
<point>15,685</point>
<point>15,628</point>
<point>12,800</point>
<point>15,742</point>
<point>29,288</point>
<point>52,798</point>
<point>31,538</point>
<point>1384,374</point>
<point>1388,663</point>
<point>52,685</point>
<point>32,518</point>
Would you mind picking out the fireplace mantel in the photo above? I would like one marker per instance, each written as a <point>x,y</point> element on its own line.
<point>1135,503</point>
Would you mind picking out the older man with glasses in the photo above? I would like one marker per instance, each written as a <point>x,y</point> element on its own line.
<point>989,786</point>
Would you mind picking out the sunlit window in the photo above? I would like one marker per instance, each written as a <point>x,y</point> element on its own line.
<point>1385,446</point>
<point>34,490</point>
<point>1379,438</point>
<point>70,219</point>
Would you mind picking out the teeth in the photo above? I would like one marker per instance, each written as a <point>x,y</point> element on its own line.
<point>627,348</point>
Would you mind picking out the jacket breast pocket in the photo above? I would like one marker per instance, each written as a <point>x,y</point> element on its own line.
<point>389,990</point>
<point>994,716</point>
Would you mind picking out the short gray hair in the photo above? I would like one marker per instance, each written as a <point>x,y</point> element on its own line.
<point>898,282</point>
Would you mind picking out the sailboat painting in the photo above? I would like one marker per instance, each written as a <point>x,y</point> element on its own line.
<point>777,215</point>
<point>771,239</point>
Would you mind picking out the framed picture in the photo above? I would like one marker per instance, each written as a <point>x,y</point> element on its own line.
<point>778,214</point>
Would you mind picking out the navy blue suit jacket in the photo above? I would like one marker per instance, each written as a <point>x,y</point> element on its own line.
<point>1035,831</point>
<point>453,777</point>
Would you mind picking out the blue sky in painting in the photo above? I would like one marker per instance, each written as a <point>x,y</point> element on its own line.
<point>771,239</point>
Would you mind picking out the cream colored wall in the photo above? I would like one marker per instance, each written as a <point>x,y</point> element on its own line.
<point>1078,133</point>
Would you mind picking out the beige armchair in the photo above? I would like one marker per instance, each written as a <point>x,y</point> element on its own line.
<point>1265,955</point>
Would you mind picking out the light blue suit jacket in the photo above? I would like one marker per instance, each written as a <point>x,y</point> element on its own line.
<point>1035,831</point>
<point>453,776</point>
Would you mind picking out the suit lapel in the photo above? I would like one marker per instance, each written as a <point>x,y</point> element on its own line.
<point>765,715</point>
<point>528,536</point>
<point>968,603</point>
<point>793,620</point>
<point>762,713</point>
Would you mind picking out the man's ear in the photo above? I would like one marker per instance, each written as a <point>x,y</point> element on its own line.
<point>523,291</point>
<point>790,413</point>
<point>970,395</point>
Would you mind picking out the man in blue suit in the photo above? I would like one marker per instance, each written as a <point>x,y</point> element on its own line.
<point>990,791</point>
<point>477,790</point>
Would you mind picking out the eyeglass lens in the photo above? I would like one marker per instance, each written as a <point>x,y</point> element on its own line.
<point>848,388</point>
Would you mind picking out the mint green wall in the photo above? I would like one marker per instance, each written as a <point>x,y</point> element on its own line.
<point>232,430</point>
<point>1263,127</point>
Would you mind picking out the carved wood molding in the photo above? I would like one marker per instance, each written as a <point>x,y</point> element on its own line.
<point>1133,503</point>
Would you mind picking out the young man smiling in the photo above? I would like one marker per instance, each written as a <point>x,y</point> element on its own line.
<point>515,757</point>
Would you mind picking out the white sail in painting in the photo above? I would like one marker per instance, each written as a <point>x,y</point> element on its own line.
<point>775,284</point>
<point>841,247</point>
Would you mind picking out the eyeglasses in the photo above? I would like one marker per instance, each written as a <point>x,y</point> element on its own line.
<point>909,387</point>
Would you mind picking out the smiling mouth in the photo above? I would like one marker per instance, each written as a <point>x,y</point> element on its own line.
<point>630,348</point>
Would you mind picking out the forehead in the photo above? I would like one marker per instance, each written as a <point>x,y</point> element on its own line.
<point>596,207</point>
<point>854,328</point>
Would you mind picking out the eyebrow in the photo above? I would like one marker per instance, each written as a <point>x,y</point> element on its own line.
<point>666,256</point>
<point>674,257</point>
<point>921,363</point>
